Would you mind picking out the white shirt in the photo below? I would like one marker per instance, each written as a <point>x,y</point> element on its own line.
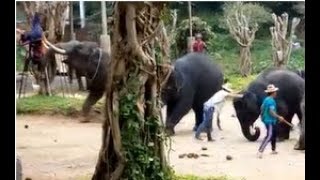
<point>217,100</point>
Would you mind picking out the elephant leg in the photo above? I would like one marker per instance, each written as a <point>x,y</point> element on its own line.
<point>176,111</point>
<point>81,87</point>
<point>89,102</point>
<point>199,116</point>
<point>70,75</point>
<point>300,145</point>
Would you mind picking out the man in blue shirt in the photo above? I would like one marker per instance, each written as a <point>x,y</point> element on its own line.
<point>269,117</point>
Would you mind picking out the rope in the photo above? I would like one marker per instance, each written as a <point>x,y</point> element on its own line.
<point>95,74</point>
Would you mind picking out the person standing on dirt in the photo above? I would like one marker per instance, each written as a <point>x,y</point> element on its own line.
<point>199,45</point>
<point>214,103</point>
<point>269,117</point>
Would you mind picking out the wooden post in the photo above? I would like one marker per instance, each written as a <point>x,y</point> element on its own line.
<point>72,34</point>
<point>82,13</point>
<point>190,40</point>
<point>104,38</point>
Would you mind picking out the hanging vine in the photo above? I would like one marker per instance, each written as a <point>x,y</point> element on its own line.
<point>132,146</point>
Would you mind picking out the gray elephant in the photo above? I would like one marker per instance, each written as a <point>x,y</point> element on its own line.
<point>289,96</point>
<point>301,142</point>
<point>86,57</point>
<point>194,80</point>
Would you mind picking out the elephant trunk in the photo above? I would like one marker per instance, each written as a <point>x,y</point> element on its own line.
<point>246,131</point>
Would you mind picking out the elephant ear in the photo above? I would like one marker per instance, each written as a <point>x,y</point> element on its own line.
<point>178,79</point>
<point>250,102</point>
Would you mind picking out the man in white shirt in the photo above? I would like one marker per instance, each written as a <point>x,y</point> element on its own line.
<point>215,103</point>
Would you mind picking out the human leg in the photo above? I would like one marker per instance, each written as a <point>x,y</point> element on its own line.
<point>274,139</point>
<point>204,123</point>
<point>265,140</point>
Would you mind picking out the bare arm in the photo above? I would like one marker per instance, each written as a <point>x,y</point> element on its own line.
<point>235,95</point>
<point>274,114</point>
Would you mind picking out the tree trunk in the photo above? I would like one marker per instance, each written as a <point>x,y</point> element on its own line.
<point>53,19</point>
<point>240,30</point>
<point>132,138</point>
<point>281,45</point>
<point>245,61</point>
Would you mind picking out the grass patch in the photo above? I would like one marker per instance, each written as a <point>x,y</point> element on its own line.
<point>192,177</point>
<point>49,105</point>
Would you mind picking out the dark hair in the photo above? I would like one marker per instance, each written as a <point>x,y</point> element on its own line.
<point>270,93</point>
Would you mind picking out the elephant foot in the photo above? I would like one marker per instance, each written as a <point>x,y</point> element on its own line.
<point>281,139</point>
<point>299,146</point>
<point>85,119</point>
<point>169,131</point>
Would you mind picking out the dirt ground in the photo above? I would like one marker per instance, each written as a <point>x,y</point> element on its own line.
<point>60,148</point>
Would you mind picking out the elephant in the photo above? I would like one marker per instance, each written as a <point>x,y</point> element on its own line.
<point>194,79</point>
<point>301,142</point>
<point>291,89</point>
<point>88,58</point>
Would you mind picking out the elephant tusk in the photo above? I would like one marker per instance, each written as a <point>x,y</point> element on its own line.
<point>58,50</point>
<point>45,45</point>
<point>252,130</point>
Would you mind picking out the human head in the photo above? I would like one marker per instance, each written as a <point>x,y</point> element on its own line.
<point>271,90</point>
<point>198,36</point>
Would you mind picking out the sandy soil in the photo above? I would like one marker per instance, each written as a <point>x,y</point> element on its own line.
<point>56,147</point>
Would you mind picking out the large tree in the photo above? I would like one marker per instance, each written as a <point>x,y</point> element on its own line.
<point>281,41</point>
<point>132,138</point>
<point>242,21</point>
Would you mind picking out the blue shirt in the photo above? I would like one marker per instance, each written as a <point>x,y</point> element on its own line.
<point>36,31</point>
<point>268,103</point>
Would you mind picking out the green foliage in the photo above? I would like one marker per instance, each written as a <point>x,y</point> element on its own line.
<point>175,177</point>
<point>297,59</point>
<point>48,105</point>
<point>20,54</point>
<point>225,52</point>
<point>183,32</point>
<point>238,82</point>
<point>142,153</point>
<point>253,11</point>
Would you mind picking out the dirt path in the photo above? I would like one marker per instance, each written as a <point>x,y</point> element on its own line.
<point>60,148</point>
